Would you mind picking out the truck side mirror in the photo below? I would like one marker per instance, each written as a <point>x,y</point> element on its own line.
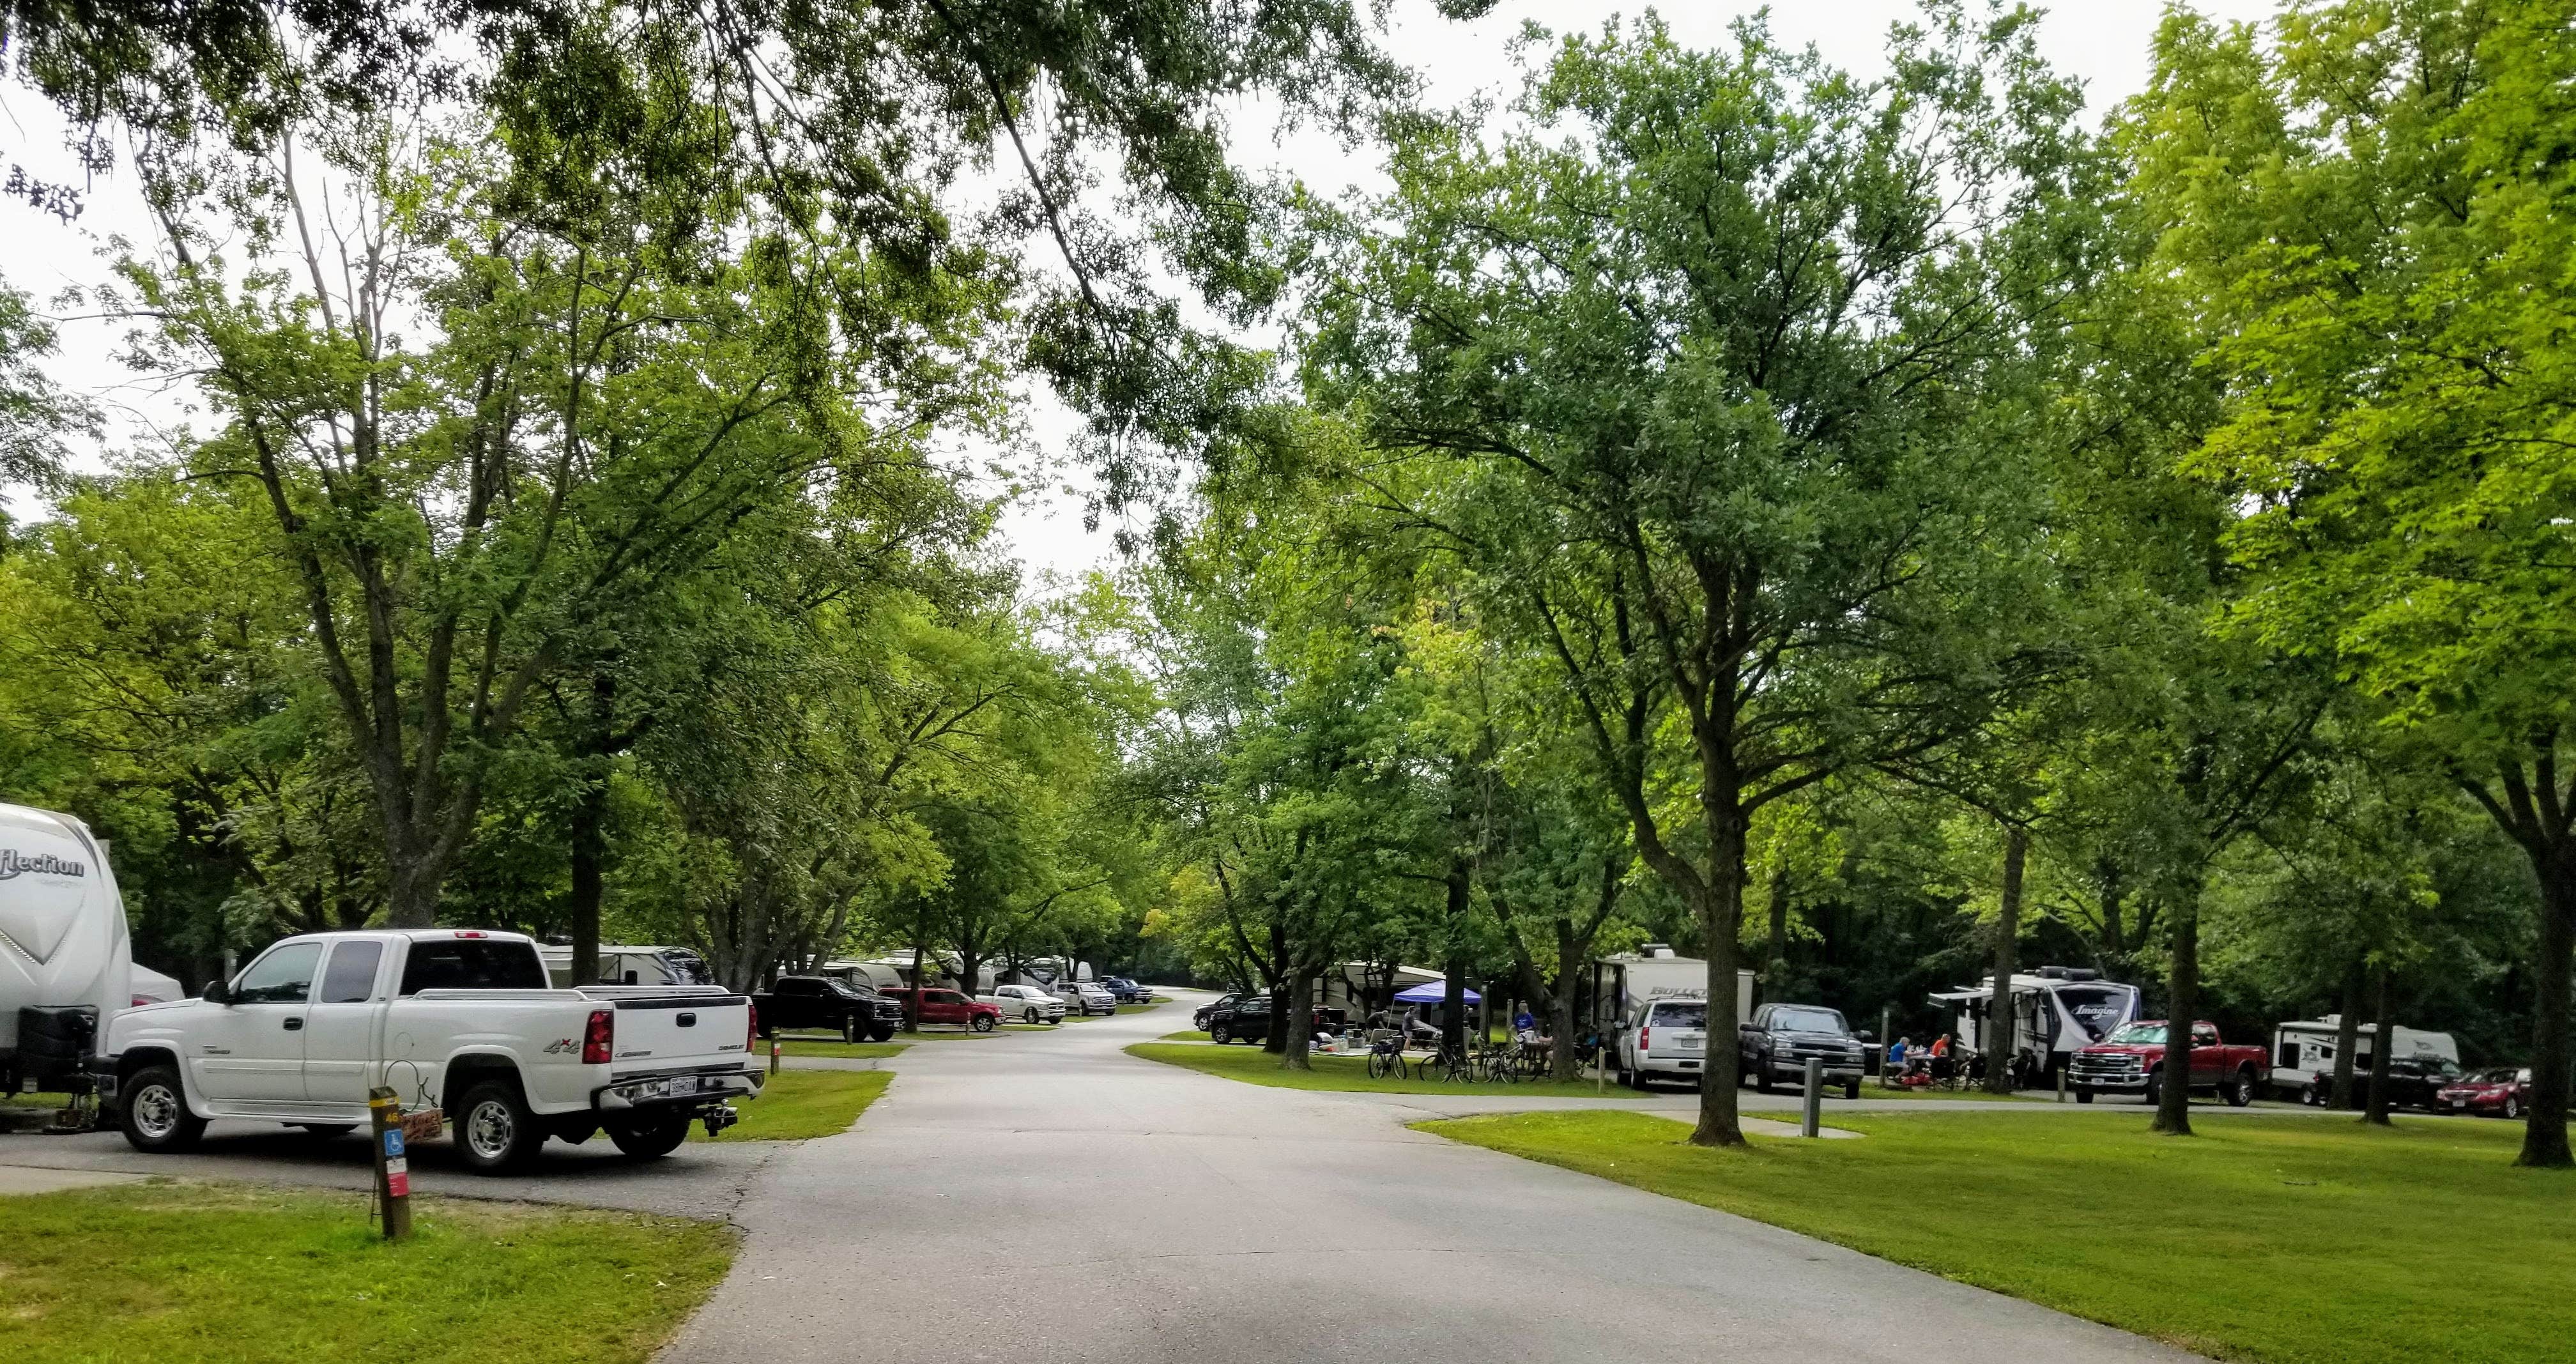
<point>217,992</point>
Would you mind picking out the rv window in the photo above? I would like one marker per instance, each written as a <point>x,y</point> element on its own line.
<point>468,965</point>
<point>352,974</point>
<point>284,976</point>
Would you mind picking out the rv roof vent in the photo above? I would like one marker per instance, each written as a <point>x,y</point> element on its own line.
<point>2069,973</point>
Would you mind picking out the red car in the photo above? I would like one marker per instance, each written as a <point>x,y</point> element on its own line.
<point>2499,1093</point>
<point>948,1006</point>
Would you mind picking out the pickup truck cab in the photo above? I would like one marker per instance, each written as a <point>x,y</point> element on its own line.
<point>857,1013</point>
<point>2132,1061</point>
<point>1773,1048</point>
<point>457,1018</point>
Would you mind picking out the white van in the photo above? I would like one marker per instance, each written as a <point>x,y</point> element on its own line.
<point>2304,1050</point>
<point>66,965</point>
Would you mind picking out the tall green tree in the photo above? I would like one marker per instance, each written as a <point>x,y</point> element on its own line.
<point>2371,211</point>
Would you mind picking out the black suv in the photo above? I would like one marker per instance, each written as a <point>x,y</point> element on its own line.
<point>1239,1018</point>
<point>2413,1082</point>
<point>856,1012</point>
<point>1200,1015</point>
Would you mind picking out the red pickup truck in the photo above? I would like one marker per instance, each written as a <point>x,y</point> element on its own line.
<point>2132,1061</point>
<point>949,1006</point>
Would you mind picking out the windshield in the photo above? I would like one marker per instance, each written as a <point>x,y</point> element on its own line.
<point>1809,1020</point>
<point>2498,1077</point>
<point>2143,1034</point>
<point>2096,1008</point>
<point>1679,1016</point>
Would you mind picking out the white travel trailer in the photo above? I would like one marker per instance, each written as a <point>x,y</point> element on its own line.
<point>619,965</point>
<point>2057,1011</point>
<point>66,965</point>
<point>1622,983</point>
<point>2304,1050</point>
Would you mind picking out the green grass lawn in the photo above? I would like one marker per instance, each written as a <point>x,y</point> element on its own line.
<point>949,1032</point>
<point>226,1275</point>
<point>2274,1239</point>
<point>797,1104</point>
<point>1200,1035</point>
<point>820,1046</point>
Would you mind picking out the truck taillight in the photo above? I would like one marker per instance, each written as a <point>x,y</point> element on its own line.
<point>599,1040</point>
<point>751,1032</point>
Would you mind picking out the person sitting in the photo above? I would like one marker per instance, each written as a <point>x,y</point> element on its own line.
<point>1896,1053</point>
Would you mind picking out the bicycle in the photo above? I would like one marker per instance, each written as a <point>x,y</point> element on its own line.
<point>1386,1057</point>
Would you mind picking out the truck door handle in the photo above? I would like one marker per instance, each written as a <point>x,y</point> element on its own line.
<point>295,1025</point>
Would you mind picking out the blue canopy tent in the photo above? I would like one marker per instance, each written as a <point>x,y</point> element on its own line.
<point>1433,992</point>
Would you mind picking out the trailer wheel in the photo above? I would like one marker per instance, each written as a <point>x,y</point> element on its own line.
<point>155,1114</point>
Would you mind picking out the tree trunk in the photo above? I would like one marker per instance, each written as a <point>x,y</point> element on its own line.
<point>589,865</point>
<point>1999,1008</point>
<point>2173,1110</point>
<point>2544,1138</point>
<point>1721,919</point>
<point>411,895</point>
<point>1301,1012</point>
<point>2348,1036</point>
<point>1453,986</point>
<point>2383,1030</point>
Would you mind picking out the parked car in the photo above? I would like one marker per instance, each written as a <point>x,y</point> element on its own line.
<point>2132,1061</point>
<point>856,1012</point>
<point>1246,1018</point>
<point>1664,1039</point>
<point>950,1006</point>
<point>2500,1093</point>
<point>1199,1016</point>
<point>1127,991</point>
<point>2413,1082</point>
<point>1774,1047</point>
<point>1092,998</point>
<point>1027,1003</point>
<point>461,1017</point>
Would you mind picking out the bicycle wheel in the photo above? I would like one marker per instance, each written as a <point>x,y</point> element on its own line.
<point>1377,1065</point>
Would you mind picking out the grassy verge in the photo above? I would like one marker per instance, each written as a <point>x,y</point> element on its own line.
<point>1252,1065</point>
<point>2287,1240</point>
<point>797,1104</point>
<point>950,1032</point>
<point>238,1276</point>
<point>817,1046</point>
<point>1199,1035</point>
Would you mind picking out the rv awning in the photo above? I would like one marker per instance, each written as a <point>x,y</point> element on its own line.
<point>1962,996</point>
<point>1433,992</point>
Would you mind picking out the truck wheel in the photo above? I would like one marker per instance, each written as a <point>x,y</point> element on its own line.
<point>2241,1093</point>
<point>495,1132</point>
<point>2083,1094</point>
<point>155,1115</point>
<point>1219,1035</point>
<point>982,1023</point>
<point>649,1142</point>
<point>852,1030</point>
<point>2156,1087</point>
<point>1029,1016</point>
<point>1851,1089</point>
<point>1762,1077</point>
<point>880,1032</point>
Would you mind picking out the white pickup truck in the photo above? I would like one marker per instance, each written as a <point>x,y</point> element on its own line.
<point>459,1018</point>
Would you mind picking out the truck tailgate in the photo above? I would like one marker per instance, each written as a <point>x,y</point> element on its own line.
<point>676,1027</point>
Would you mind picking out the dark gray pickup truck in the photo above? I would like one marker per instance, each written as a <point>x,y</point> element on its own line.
<point>1774,1047</point>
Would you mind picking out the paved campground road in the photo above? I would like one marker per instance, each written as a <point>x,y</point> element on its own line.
<point>1047,1195</point>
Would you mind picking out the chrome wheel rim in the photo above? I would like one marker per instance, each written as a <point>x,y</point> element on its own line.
<point>490,1130</point>
<point>156,1111</point>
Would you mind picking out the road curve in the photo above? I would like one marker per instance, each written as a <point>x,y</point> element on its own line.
<point>1048,1197</point>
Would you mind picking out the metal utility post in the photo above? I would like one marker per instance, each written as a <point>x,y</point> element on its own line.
<point>1812,1119</point>
<point>2061,1084</point>
<point>393,1166</point>
<point>774,1045</point>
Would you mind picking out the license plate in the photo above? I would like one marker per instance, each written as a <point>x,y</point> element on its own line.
<point>2459,1103</point>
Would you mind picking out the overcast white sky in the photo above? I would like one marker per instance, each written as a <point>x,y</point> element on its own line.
<point>2103,42</point>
